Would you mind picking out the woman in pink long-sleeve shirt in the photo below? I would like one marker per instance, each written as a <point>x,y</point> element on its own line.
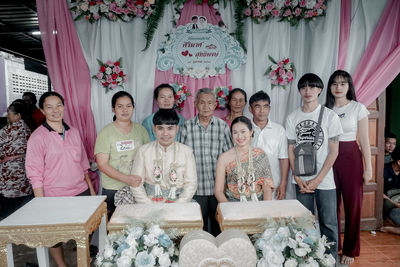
<point>56,162</point>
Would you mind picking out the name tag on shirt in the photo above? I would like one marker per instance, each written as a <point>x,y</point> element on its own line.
<point>125,145</point>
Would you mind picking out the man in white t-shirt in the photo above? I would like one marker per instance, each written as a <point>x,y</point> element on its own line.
<point>301,127</point>
<point>271,137</point>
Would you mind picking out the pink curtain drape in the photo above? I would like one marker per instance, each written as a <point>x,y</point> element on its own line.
<point>380,63</point>
<point>191,8</point>
<point>68,70</point>
<point>345,23</point>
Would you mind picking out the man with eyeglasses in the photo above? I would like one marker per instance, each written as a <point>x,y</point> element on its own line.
<point>271,137</point>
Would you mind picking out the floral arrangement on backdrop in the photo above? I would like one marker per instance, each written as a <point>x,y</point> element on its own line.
<point>181,93</point>
<point>110,74</point>
<point>292,244</point>
<point>140,246</point>
<point>285,10</point>
<point>124,10</point>
<point>221,94</point>
<point>281,73</point>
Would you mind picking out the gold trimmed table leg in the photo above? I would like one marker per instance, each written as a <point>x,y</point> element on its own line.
<point>83,251</point>
<point>3,254</point>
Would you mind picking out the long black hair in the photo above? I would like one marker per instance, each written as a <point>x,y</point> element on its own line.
<point>48,94</point>
<point>240,90</point>
<point>351,94</point>
<point>120,94</point>
<point>242,119</point>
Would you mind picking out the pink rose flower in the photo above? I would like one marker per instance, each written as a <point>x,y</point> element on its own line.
<point>247,12</point>
<point>111,16</point>
<point>287,3</point>
<point>287,13</point>
<point>283,82</point>
<point>270,6</point>
<point>310,13</point>
<point>146,4</point>
<point>96,16</point>
<point>297,12</point>
<point>110,63</point>
<point>280,64</point>
<point>112,6</point>
<point>303,3</point>
<point>256,13</point>
<point>275,13</point>
<point>99,75</point>
<point>119,10</point>
<point>116,69</point>
<point>289,74</point>
<point>140,13</point>
<point>281,72</point>
<point>109,78</point>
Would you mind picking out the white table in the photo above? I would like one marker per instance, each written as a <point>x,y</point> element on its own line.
<point>46,221</point>
<point>185,217</point>
<point>250,216</point>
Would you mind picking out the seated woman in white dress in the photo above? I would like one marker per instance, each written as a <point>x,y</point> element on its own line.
<point>246,168</point>
<point>167,168</point>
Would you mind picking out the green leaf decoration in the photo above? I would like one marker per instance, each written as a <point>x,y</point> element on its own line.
<point>153,21</point>
<point>79,17</point>
<point>100,62</point>
<point>239,17</point>
<point>272,60</point>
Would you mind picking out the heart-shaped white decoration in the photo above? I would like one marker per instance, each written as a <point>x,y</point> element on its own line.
<point>231,248</point>
<point>210,262</point>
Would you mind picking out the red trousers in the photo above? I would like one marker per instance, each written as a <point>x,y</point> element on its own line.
<point>348,170</point>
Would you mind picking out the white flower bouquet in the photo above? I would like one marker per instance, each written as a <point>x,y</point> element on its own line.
<point>292,245</point>
<point>139,246</point>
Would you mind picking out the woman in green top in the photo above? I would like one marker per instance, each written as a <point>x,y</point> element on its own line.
<point>116,147</point>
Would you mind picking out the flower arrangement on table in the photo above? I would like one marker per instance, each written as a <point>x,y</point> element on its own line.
<point>110,74</point>
<point>285,10</point>
<point>221,94</point>
<point>281,73</point>
<point>141,246</point>
<point>292,244</point>
<point>181,93</point>
<point>114,10</point>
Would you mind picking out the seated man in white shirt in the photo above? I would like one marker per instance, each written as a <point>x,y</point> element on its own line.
<point>167,168</point>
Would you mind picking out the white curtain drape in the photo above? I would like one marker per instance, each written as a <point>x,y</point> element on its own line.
<point>313,47</point>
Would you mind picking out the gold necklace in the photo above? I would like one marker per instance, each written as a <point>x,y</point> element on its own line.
<point>251,179</point>
<point>158,175</point>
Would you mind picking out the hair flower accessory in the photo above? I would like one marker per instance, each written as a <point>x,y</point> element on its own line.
<point>281,73</point>
<point>111,74</point>
<point>221,95</point>
<point>181,93</point>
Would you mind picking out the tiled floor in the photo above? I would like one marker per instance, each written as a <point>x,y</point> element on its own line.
<point>381,249</point>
